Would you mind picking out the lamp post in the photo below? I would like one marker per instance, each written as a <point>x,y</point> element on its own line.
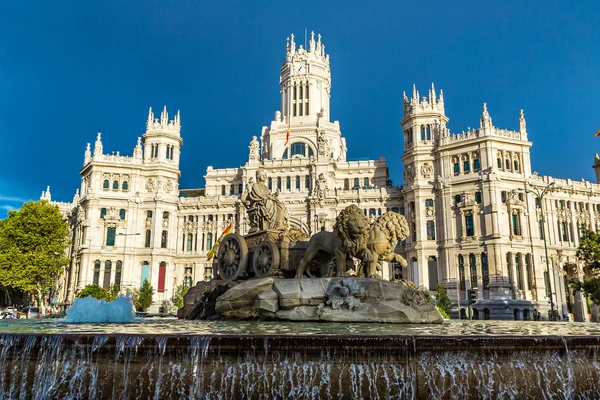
<point>539,195</point>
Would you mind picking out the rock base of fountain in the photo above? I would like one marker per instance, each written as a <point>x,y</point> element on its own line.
<point>317,299</point>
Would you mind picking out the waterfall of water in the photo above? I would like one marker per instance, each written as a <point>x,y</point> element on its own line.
<point>300,367</point>
<point>89,309</point>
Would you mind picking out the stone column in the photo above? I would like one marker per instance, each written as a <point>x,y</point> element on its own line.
<point>479,276</point>
<point>512,276</point>
<point>524,295</point>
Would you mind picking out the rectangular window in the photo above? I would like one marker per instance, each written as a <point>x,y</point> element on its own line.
<point>96,280</point>
<point>307,183</point>
<point>476,164</point>
<point>430,230</point>
<point>288,183</point>
<point>469,225</point>
<point>413,232</point>
<point>429,203</point>
<point>346,184</point>
<point>478,197</point>
<point>145,272</point>
<point>507,164</point>
<point>457,199</point>
<point>503,196</point>
<point>499,162</point>
<point>163,239</point>
<point>541,227</point>
<point>209,241</point>
<point>547,283</point>
<point>456,168</point>
<point>187,278</point>
<point>232,190</point>
<point>110,236</point>
<point>485,271</point>
<point>162,272</point>
<point>118,274</point>
<point>467,166</point>
<point>148,238</point>
<point>515,225</point>
<point>565,235</point>
<point>107,271</point>
<point>148,214</point>
<point>298,182</point>
<point>528,272</point>
<point>366,182</point>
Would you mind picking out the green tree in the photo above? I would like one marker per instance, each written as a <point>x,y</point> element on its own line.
<point>178,294</point>
<point>589,252</point>
<point>142,298</point>
<point>443,301</point>
<point>33,240</point>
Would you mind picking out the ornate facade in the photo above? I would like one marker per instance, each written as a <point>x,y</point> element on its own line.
<point>474,223</point>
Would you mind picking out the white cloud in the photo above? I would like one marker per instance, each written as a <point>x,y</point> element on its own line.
<point>12,199</point>
<point>7,207</point>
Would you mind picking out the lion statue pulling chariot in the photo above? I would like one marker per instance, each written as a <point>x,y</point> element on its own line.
<point>354,236</point>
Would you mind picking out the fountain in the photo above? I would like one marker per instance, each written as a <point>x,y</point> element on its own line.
<point>267,354</point>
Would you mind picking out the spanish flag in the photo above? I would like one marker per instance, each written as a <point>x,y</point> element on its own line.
<point>597,133</point>
<point>211,252</point>
<point>287,135</point>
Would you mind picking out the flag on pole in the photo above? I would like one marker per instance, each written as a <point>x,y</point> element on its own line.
<point>597,133</point>
<point>287,135</point>
<point>211,252</point>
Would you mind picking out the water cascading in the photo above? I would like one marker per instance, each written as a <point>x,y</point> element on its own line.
<point>70,366</point>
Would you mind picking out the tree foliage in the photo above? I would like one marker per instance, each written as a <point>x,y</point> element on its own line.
<point>142,298</point>
<point>178,294</point>
<point>32,245</point>
<point>443,301</point>
<point>95,291</point>
<point>589,252</point>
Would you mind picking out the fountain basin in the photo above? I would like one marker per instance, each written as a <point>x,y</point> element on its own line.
<point>354,361</point>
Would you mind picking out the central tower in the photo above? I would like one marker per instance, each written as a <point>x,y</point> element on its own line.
<point>305,81</point>
<point>302,127</point>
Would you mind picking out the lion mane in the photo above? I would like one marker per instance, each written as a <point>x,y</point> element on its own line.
<point>352,229</point>
<point>393,227</point>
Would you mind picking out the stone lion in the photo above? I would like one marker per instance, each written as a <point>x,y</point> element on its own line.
<point>384,235</point>
<point>348,239</point>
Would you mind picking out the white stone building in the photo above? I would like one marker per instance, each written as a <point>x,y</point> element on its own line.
<point>473,224</point>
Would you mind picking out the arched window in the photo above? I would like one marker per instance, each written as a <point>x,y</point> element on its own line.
<point>125,185</point>
<point>118,272</point>
<point>428,132</point>
<point>232,190</point>
<point>409,136</point>
<point>105,184</point>
<point>115,185</point>
<point>145,272</point>
<point>485,271</point>
<point>507,164</point>
<point>96,280</point>
<point>456,168</point>
<point>372,211</point>
<point>223,190</point>
<point>516,165</point>
<point>473,267</point>
<point>102,212</point>
<point>422,132</point>
<point>356,183</point>
<point>310,152</point>
<point>298,149</point>
<point>122,213</point>
<point>467,166</point>
<point>499,161</point>
<point>346,184</point>
<point>107,272</point>
<point>476,164</point>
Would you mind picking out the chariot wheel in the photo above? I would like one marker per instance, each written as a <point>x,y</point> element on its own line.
<point>232,258</point>
<point>265,260</point>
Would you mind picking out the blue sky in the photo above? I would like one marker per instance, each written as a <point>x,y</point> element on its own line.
<point>70,69</point>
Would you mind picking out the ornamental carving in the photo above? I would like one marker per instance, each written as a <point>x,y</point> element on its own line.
<point>151,185</point>
<point>429,212</point>
<point>321,187</point>
<point>409,173</point>
<point>322,143</point>
<point>427,170</point>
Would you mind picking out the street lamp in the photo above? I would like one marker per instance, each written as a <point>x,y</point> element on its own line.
<point>539,195</point>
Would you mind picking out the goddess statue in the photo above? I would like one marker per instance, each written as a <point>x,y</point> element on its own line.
<point>265,211</point>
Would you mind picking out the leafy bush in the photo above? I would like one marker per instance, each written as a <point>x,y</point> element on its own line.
<point>444,313</point>
<point>179,292</point>
<point>95,291</point>
<point>443,301</point>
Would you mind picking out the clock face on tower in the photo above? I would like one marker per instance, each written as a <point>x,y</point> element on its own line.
<point>300,68</point>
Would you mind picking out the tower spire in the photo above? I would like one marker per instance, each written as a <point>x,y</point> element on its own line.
<point>486,120</point>
<point>522,123</point>
<point>98,145</point>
